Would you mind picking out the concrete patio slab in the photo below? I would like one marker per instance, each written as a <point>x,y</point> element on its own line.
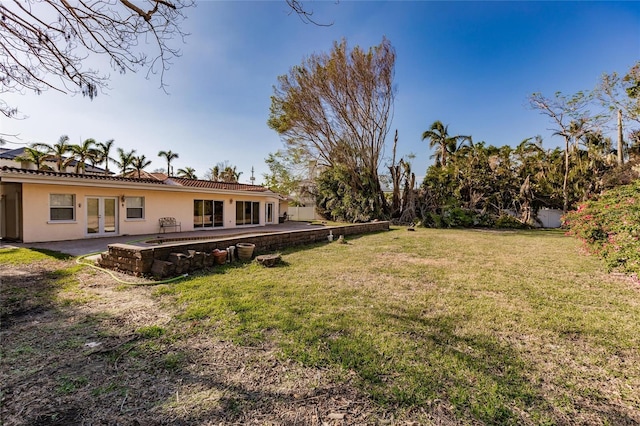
<point>96,245</point>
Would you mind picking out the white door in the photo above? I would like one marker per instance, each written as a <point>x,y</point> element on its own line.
<point>269,213</point>
<point>102,216</point>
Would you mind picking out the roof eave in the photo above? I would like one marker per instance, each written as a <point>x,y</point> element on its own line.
<point>13,177</point>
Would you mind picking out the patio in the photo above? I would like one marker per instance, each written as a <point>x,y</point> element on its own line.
<point>95,245</point>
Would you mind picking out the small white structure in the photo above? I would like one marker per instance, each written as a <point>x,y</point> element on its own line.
<point>303,213</point>
<point>550,218</point>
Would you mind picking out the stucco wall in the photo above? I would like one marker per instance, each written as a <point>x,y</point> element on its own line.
<point>158,203</point>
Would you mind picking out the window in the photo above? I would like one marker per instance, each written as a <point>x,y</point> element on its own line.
<point>135,207</point>
<point>207,213</point>
<point>247,213</point>
<point>62,207</point>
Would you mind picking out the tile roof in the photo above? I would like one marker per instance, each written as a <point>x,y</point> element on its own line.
<point>208,184</point>
<point>173,181</point>
<point>11,154</point>
<point>159,176</point>
<point>86,176</point>
<point>145,175</point>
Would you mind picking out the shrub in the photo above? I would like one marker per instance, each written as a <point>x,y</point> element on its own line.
<point>610,227</point>
<point>457,217</point>
<point>506,221</point>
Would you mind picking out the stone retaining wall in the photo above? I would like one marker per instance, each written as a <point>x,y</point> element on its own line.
<point>186,256</point>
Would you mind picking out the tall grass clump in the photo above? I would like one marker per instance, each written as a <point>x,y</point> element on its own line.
<point>610,227</point>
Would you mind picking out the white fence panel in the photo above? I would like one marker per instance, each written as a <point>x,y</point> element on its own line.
<point>302,213</point>
<point>550,218</point>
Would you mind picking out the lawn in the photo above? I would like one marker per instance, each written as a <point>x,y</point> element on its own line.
<point>469,326</point>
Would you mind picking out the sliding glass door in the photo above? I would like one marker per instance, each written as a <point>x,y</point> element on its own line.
<point>208,213</point>
<point>247,213</point>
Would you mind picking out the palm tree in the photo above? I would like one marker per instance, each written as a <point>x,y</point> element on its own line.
<point>215,173</point>
<point>34,156</point>
<point>58,152</point>
<point>170,156</point>
<point>139,163</point>
<point>438,136</point>
<point>84,152</point>
<point>104,149</point>
<point>229,175</point>
<point>125,160</point>
<point>572,135</point>
<point>188,173</point>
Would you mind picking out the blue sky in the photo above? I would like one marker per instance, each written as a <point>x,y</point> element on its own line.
<point>471,65</point>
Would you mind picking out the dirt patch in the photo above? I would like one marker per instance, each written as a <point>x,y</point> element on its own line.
<point>98,352</point>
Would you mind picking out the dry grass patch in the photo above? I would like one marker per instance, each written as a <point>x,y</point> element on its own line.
<point>507,327</point>
<point>431,326</point>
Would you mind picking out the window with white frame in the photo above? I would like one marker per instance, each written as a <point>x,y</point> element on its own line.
<point>62,207</point>
<point>135,207</point>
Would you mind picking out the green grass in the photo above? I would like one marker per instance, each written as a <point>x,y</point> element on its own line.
<point>151,331</point>
<point>54,278</point>
<point>504,326</point>
<point>68,384</point>
<point>23,256</point>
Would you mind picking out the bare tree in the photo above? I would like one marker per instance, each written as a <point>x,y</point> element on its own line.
<point>572,121</point>
<point>44,44</point>
<point>305,14</point>
<point>336,108</point>
<point>621,95</point>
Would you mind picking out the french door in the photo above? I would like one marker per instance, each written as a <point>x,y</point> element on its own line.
<point>102,215</point>
<point>269,213</point>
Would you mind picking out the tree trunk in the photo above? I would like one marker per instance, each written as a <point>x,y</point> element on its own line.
<point>620,139</point>
<point>565,189</point>
<point>395,180</point>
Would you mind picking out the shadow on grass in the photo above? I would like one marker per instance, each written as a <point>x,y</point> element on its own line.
<point>54,254</point>
<point>483,378</point>
<point>427,359</point>
<point>63,365</point>
<point>25,294</point>
<point>23,255</point>
<point>549,232</point>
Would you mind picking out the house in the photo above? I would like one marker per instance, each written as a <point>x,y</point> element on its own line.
<point>37,206</point>
<point>8,158</point>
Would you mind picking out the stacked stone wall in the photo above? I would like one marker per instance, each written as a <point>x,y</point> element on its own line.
<point>186,256</point>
